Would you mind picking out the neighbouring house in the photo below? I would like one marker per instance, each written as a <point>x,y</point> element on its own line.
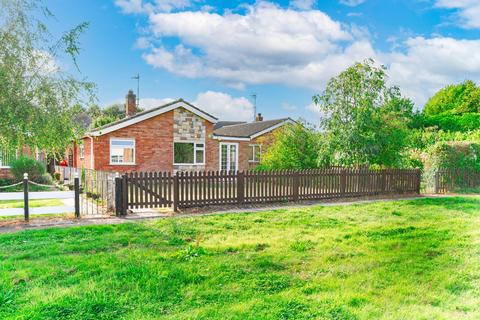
<point>177,136</point>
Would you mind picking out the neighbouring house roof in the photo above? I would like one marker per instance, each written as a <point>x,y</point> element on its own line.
<point>221,124</point>
<point>250,130</point>
<point>141,116</point>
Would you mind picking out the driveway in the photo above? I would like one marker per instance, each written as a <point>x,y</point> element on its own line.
<point>67,197</point>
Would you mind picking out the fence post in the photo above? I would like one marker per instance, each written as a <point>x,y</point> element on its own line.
<point>26,210</point>
<point>296,184</point>
<point>118,195</point>
<point>76,184</point>
<point>240,187</point>
<point>175,192</point>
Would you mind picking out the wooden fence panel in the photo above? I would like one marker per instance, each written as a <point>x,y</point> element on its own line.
<point>194,189</point>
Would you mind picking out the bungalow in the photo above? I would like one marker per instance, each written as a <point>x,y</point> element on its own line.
<point>173,137</point>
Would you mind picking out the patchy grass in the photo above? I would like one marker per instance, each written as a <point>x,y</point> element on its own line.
<point>6,204</point>
<point>388,260</point>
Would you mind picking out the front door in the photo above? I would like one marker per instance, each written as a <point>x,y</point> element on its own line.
<point>228,156</point>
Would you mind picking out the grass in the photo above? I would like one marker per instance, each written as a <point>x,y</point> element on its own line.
<point>6,204</point>
<point>415,259</point>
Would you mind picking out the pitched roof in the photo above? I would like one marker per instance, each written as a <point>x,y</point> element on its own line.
<point>221,124</point>
<point>125,122</point>
<point>250,130</point>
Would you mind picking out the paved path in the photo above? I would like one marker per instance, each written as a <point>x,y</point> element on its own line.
<point>38,195</point>
<point>36,210</point>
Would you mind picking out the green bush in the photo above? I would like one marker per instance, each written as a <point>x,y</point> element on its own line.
<point>462,156</point>
<point>45,178</point>
<point>23,164</point>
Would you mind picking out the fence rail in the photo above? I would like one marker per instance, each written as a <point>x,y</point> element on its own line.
<point>450,180</point>
<point>192,189</point>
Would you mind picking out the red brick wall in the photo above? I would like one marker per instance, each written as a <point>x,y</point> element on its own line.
<point>153,145</point>
<point>5,173</point>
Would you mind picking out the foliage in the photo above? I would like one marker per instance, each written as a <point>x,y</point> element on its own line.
<point>107,115</point>
<point>455,99</point>
<point>459,155</point>
<point>39,101</point>
<point>365,122</point>
<point>294,147</point>
<point>45,178</point>
<point>453,122</point>
<point>24,164</point>
<point>412,259</point>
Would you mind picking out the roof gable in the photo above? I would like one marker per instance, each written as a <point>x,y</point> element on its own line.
<point>139,117</point>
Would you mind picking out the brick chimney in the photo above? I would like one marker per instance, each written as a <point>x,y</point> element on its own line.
<point>259,117</point>
<point>130,104</point>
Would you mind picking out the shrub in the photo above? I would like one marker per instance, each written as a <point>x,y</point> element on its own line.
<point>56,175</point>
<point>23,164</point>
<point>45,178</point>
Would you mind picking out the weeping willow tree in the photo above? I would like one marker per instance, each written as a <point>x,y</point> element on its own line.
<point>39,102</point>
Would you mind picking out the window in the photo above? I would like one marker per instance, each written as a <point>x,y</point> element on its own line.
<point>188,153</point>
<point>254,152</point>
<point>81,150</point>
<point>122,151</point>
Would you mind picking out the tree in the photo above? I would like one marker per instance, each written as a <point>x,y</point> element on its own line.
<point>455,99</point>
<point>294,146</point>
<point>365,122</point>
<point>38,101</point>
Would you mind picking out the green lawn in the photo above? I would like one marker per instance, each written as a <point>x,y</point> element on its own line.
<point>5,204</point>
<point>389,260</point>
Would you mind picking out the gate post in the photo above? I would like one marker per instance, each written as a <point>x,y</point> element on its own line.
<point>26,211</point>
<point>76,184</point>
<point>118,195</point>
<point>175,192</point>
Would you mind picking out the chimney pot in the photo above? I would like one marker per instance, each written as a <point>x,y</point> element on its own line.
<point>259,117</point>
<point>130,104</point>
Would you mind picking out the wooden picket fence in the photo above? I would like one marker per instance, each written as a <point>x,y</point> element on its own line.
<point>451,180</point>
<point>195,189</point>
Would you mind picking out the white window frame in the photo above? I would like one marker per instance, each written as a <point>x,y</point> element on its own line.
<point>195,149</point>
<point>220,154</point>
<point>260,152</point>
<point>123,163</point>
<point>81,151</point>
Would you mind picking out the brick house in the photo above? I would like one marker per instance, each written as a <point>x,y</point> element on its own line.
<point>174,137</point>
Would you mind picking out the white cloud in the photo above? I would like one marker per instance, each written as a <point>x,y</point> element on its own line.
<point>468,11</point>
<point>268,44</point>
<point>219,104</point>
<point>141,6</point>
<point>352,3</point>
<point>149,103</point>
<point>224,106</point>
<point>303,4</point>
<point>429,64</point>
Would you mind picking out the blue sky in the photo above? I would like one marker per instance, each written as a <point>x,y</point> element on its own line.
<point>216,53</point>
